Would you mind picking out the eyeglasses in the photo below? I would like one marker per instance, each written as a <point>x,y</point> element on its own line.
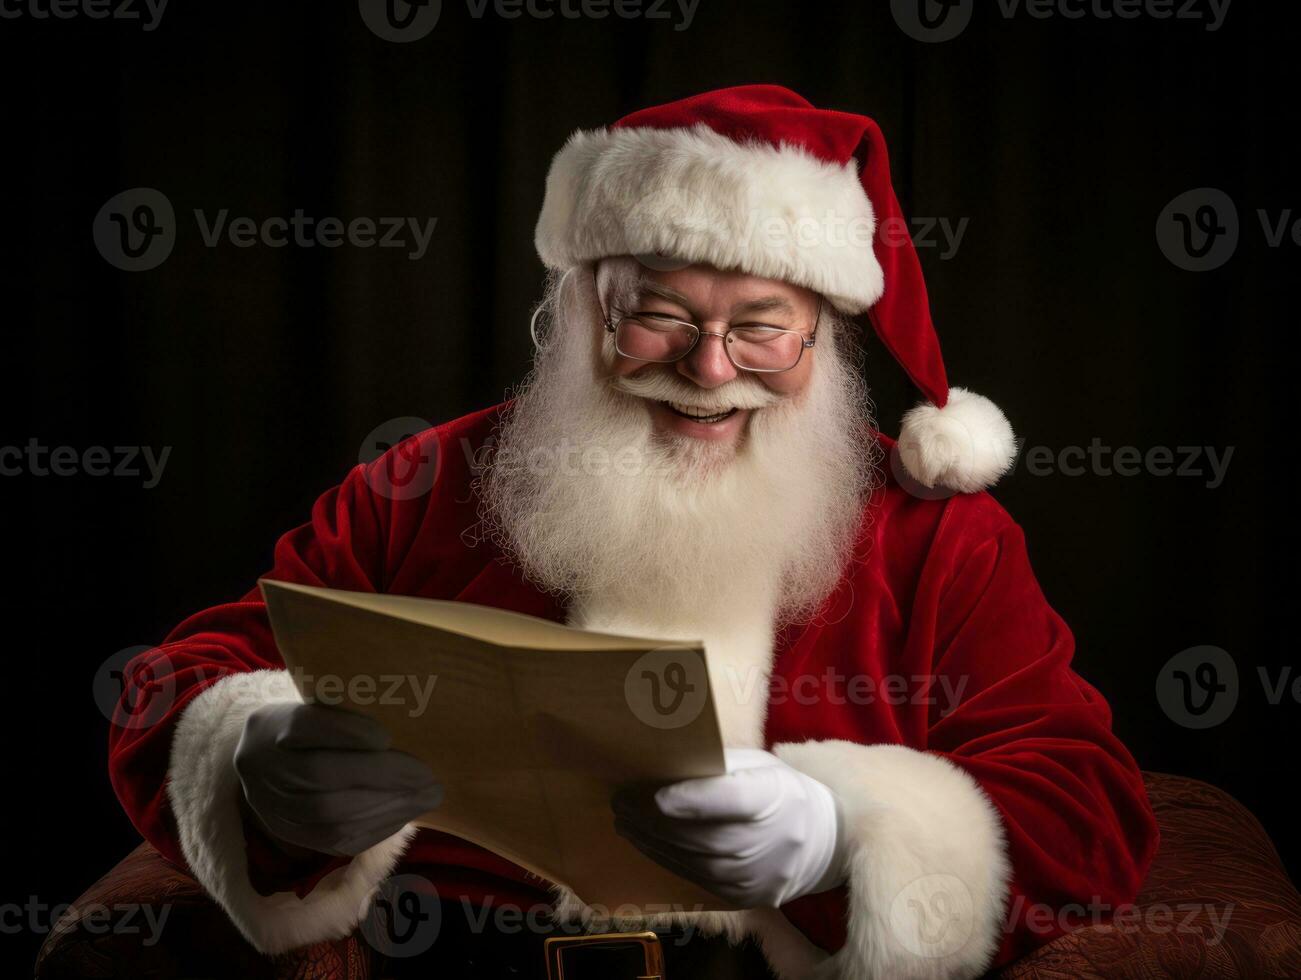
<point>662,339</point>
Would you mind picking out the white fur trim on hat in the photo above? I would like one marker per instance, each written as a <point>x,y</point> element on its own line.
<point>964,446</point>
<point>928,869</point>
<point>204,790</point>
<point>692,194</point>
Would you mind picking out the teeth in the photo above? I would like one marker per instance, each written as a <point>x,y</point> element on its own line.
<point>695,410</point>
<point>701,414</point>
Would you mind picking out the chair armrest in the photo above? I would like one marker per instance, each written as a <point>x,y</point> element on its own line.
<point>1217,902</point>
<point>148,918</point>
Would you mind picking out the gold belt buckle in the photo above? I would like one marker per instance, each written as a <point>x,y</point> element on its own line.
<point>652,952</point>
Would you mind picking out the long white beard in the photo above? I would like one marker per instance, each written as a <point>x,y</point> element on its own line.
<point>680,538</point>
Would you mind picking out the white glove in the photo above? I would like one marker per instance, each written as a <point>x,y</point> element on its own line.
<point>325,779</point>
<point>760,836</point>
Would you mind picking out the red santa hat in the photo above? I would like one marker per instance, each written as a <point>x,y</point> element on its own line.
<point>757,179</point>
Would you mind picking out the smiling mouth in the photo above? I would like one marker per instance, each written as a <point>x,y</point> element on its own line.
<point>698,414</point>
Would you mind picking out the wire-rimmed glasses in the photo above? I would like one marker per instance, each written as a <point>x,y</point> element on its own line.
<point>662,339</point>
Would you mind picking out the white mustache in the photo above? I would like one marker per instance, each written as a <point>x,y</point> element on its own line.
<point>662,386</point>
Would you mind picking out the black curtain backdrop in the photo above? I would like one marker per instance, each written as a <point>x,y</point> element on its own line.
<point>1053,144</point>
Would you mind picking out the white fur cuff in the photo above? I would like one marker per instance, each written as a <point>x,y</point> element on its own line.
<point>928,869</point>
<point>204,792</point>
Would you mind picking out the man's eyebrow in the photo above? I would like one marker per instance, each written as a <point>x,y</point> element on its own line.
<point>664,292</point>
<point>766,304</point>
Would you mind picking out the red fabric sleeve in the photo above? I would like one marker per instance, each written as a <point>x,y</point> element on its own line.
<point>1031,732</point>
<point>370,533</point>
<point>1038,740</point>
<point>336,548</point>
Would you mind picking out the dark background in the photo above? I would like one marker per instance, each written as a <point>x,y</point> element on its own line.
<point>1059,141</point>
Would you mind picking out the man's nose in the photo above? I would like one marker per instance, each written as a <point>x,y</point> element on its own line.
<point>708,364</point>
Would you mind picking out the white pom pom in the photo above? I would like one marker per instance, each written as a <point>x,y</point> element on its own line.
<point>964,446</point>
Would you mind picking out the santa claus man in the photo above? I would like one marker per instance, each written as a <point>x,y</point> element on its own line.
<point>916,775</point>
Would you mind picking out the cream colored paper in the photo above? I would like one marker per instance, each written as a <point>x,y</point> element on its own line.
<point>530,725</point>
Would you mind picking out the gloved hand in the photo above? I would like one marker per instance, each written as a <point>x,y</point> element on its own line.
<point>325,779</point>
<point>760,836</point>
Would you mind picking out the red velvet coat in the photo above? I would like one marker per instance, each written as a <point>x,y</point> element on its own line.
<point>943,590</point>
